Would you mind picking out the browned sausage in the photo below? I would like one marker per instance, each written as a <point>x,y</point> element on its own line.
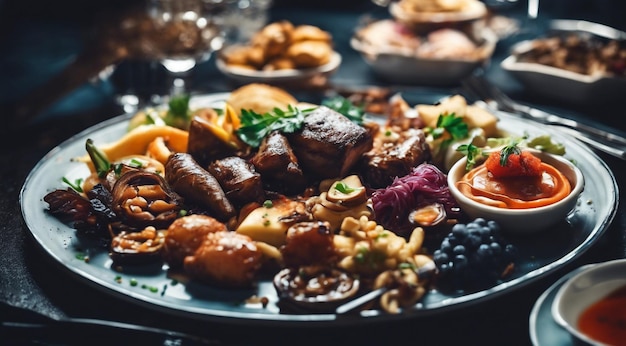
<point>195,183</point>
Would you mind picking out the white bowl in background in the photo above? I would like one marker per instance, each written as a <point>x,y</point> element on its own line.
<point>561,84</point>
<point>405,65</point>
<point>428,21</point>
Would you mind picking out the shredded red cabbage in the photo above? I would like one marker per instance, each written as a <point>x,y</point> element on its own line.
<point>425,185</point>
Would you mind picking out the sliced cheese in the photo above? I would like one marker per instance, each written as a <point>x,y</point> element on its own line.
<point>265,224</point>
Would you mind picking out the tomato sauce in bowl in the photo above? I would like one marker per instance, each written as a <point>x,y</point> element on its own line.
<point>520,203</point>
<point>515,192</point>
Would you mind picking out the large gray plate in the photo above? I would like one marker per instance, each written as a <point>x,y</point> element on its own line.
<point>540,254</point>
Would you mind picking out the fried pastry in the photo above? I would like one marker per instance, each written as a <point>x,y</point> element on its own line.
<point>306,32</point>
<point>260,98</point>
<point>310,53</point>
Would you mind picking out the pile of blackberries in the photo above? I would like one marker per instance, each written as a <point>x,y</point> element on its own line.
<point>474,255</point>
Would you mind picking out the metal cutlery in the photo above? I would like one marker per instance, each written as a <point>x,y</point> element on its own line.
<point>494,98</point>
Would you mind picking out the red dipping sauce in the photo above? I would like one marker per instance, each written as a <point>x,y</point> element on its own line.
<point>605,320</point>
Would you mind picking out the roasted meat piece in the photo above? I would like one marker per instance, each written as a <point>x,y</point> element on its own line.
<point>226,259</point>
<point>394,156</point>
<point>278,165</point>
<point>240,181</point>
<point>329,144</point>
<point>309,243</point>
<point>195,183</point>
<point>205,143</point>
<point>185,235</point>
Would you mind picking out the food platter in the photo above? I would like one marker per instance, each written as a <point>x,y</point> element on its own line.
<point>151,286</point>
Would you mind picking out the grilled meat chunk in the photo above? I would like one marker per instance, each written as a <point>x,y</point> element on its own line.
<point>195,183</point>
<point>239,180</point>
<point>329,144</point>
<point>204,144</point>
<point>394,156</point>
<point>226,259</point>
<point>278,165</point>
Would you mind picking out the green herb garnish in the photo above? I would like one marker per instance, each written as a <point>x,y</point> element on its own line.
<point>178,114</point>
<point>76,185</point>
<point>472,152</point>
<point>346,107</point>
<point>507,151</point>
<point>451,124</point>
<point>255,126</point>
<point>345,188</point>
<point>98,158</point>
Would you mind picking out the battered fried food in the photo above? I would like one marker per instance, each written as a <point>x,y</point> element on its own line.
<point>260,98</point>
<point>281,45</point>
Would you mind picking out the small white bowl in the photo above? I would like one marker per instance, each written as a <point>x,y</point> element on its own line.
<point>584,289</point>
<point>522,221</point>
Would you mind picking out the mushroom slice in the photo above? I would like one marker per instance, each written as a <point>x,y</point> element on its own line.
<point>318,288</point>
<point>347,192</point>
<point>137,247</point>
<point>144,199</point>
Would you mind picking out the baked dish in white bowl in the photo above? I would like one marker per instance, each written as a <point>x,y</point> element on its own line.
<point>441,57</point>
<point>427,15</point>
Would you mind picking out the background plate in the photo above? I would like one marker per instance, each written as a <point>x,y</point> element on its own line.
<point>539,254</point>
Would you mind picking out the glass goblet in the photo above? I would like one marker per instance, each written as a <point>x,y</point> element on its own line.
<point>185,35</point>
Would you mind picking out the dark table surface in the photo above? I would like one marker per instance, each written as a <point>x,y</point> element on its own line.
<point>40,46</point>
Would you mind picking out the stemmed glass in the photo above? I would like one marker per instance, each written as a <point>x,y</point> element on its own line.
<point>185,35</point>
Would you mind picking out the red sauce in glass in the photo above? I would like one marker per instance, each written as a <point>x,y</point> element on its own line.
<point>605,320</point>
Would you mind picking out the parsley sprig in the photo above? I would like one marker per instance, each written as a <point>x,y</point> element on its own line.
<point>346,107</point>
<point>451,124</point>
<point>507,151</point>
<point>472,152</point>
<point>255,126</point>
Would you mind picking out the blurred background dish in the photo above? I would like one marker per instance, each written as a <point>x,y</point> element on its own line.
<point>292,77</point>
<point>575,67</point>
<point>281,52</point>
<point>427,15</point>
<point>441,57</point>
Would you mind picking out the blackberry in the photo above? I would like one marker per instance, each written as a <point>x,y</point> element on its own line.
<point>474,255</point>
